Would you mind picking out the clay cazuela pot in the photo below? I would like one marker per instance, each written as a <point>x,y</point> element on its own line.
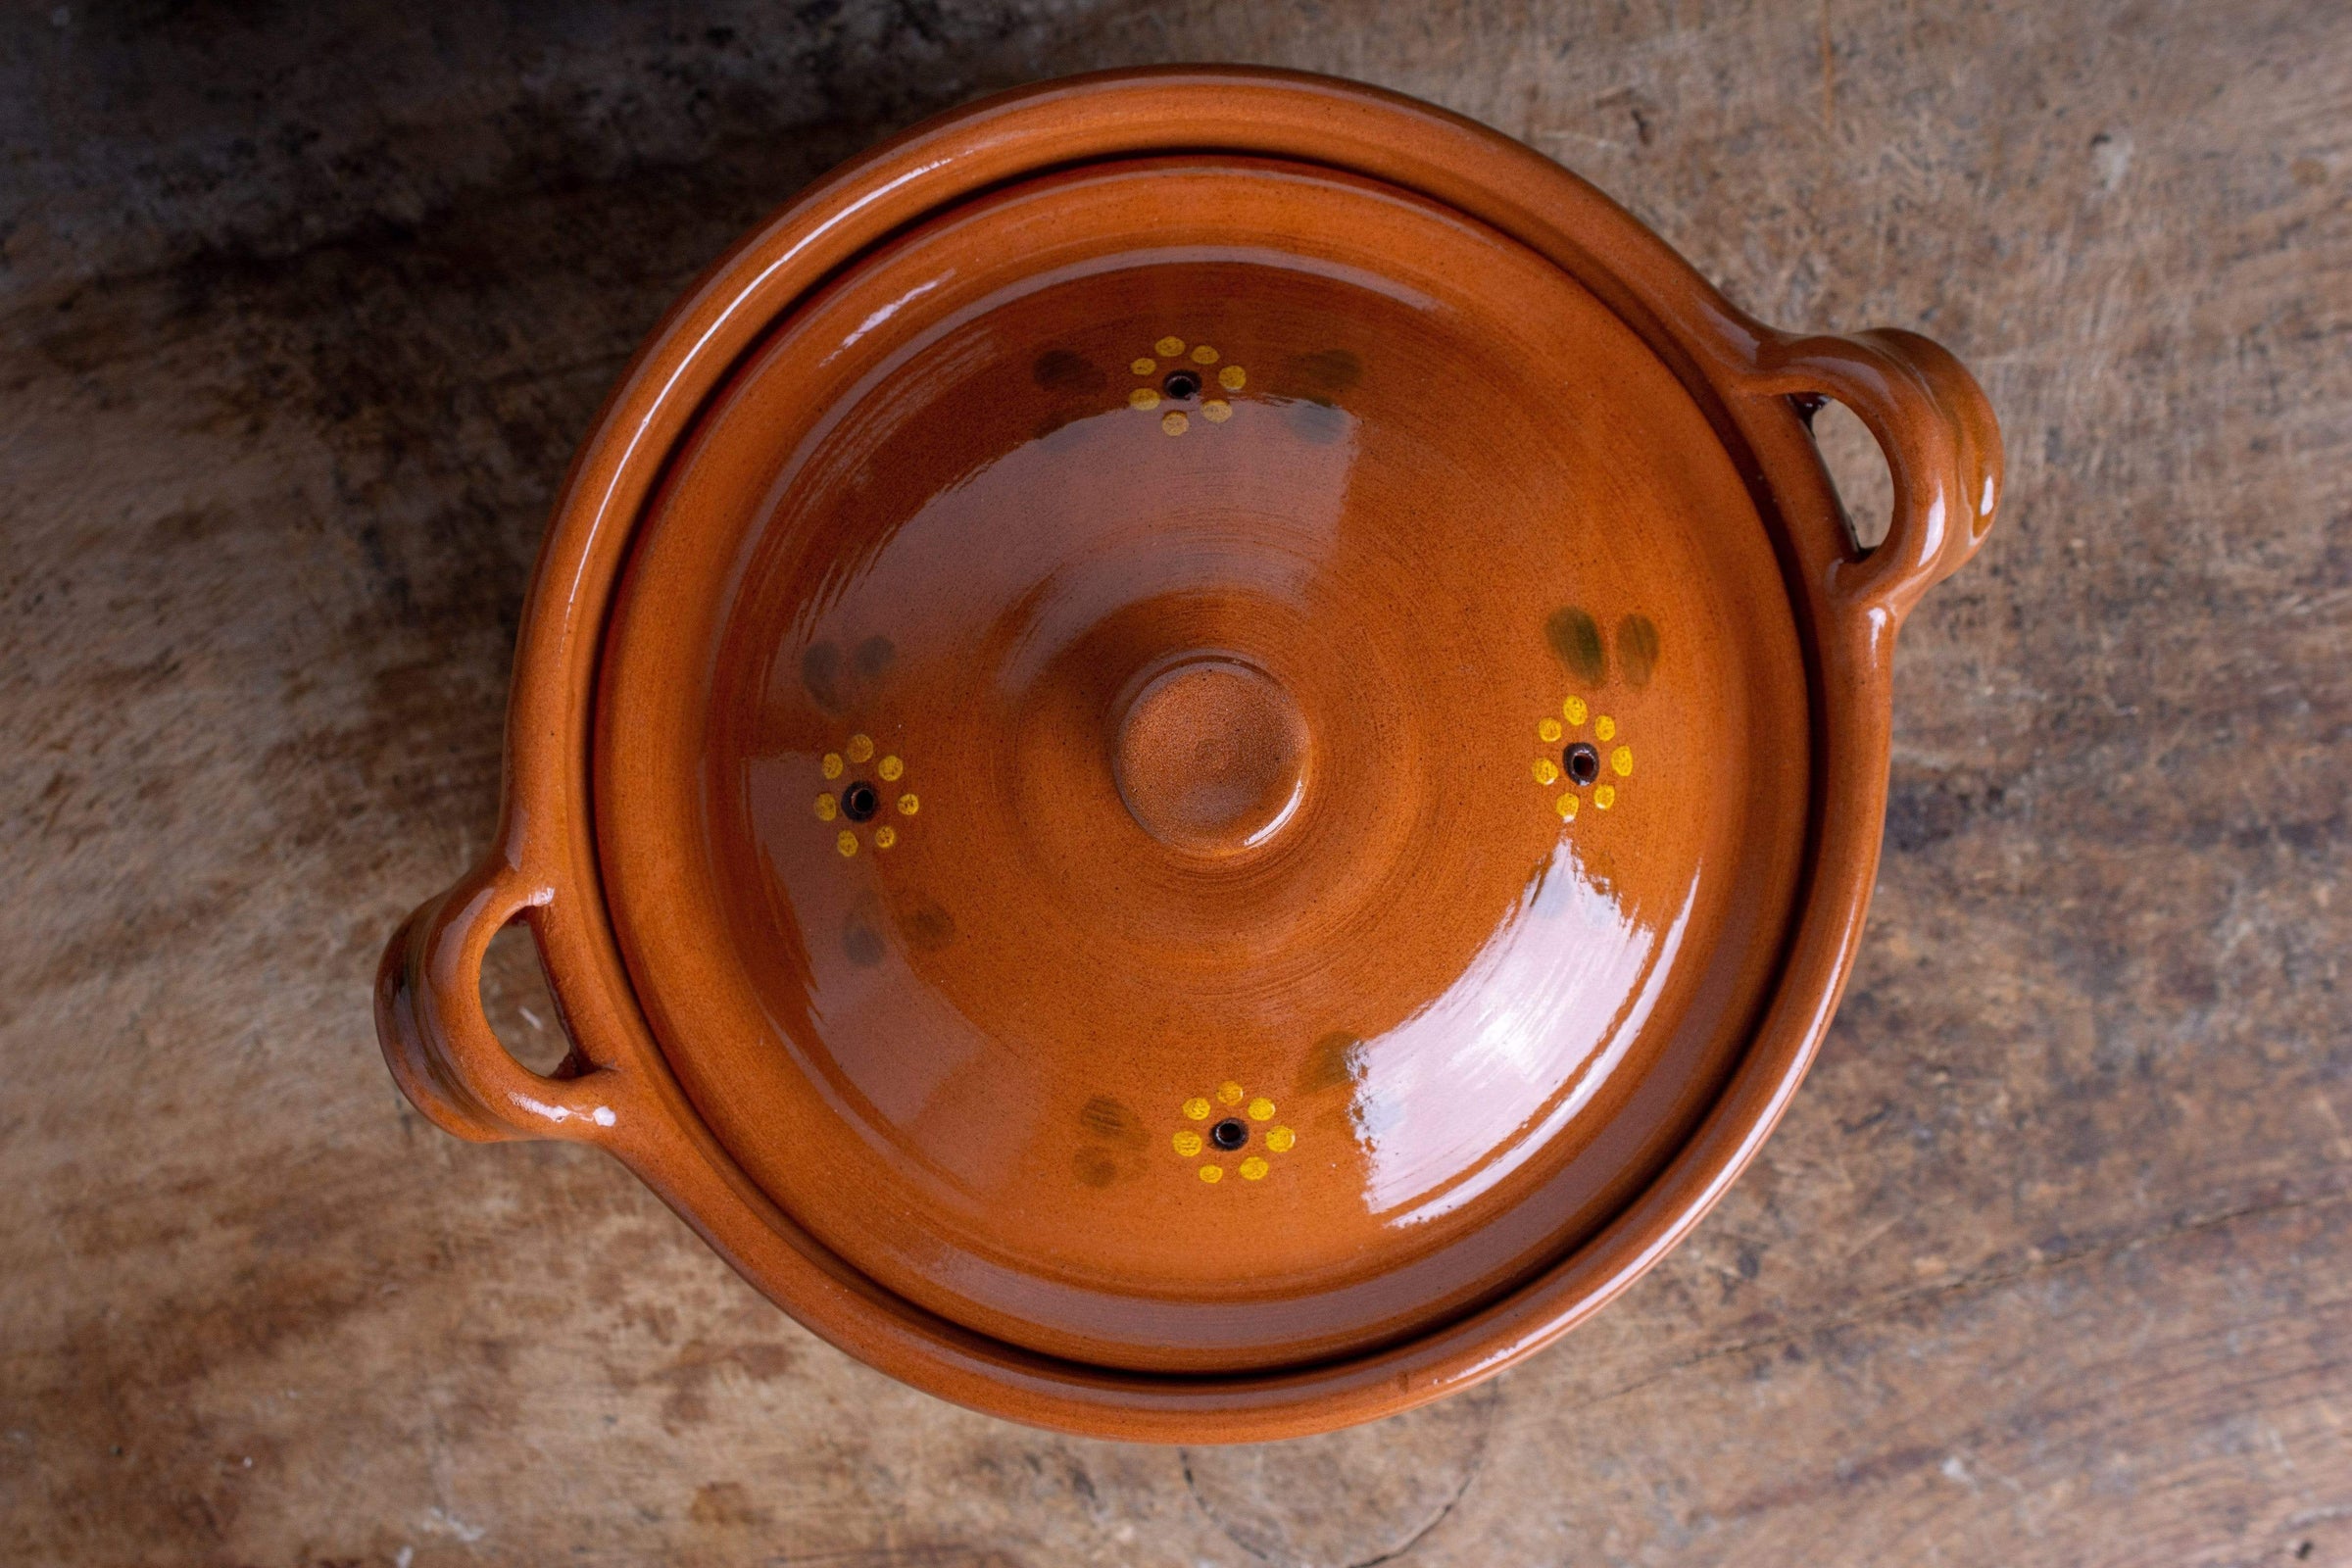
<point>1196,753</point>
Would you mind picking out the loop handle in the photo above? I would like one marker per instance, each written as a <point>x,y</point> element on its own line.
<point>439,1045</point>
<point>1942,446</point>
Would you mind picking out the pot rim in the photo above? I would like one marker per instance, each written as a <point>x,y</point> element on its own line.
<point>1755,386</point>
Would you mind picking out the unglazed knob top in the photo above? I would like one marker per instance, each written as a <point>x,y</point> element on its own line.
<point>1211,756</point>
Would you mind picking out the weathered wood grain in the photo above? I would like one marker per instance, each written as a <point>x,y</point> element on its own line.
<point>301,311</point>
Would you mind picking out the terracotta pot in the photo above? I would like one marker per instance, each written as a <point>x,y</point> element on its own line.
<point>1196,753</point>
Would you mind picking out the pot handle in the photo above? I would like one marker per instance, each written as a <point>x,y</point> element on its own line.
<point>1941,442</point>
<point>439,1045</point>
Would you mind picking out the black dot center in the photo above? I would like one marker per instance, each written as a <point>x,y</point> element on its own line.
<point>861,801</point>
<point>1581,761</point>
<point>1181,385</point>
<point>1229,1134</point>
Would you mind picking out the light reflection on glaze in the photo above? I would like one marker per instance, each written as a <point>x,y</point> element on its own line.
<point>886,312</point>
<point>1288,809</point>
<point>1527,1025</point>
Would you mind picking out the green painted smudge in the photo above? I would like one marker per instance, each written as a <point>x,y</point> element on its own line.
<point>1576,637</point>
<point>1638,649</point>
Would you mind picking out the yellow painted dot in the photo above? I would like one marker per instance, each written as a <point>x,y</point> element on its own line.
<point>1142,397</point>
<point>1202,354</point>
<point>1567,805</point>
<point>831,766</point>
<point>1281,1139</point>
<point>1174,423</point>
<point>1196,1108</point>
<point>1606,727</point>
<point>1212,1174</point>
<point>1574,709</point>
<point>847,844</point>
<point>1216,410</point>
<point>1144,367</point>
<point>1229,1094</point>
<point>1603,797</point>
<point>1547,771</point>
<point>1549,731</point>
<point>1168,348</point>
<point>1188,1143</point>
<point>890,767</point>
<point>827,808</point>
<point>885,836</point>
<point>860,747</point>
<point>1233,378</point>
<point>1621,760</point>
<point>1261,1108</point>
<point>909,804</point>
<point>1255,1169</point>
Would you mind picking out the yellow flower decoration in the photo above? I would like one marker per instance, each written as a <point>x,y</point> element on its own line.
<point>1220,1123</point>
<point>862,791</point>
<point>1186,377</point>
<point>1594,762</point>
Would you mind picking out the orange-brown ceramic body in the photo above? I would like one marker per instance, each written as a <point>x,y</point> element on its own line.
<point>1198,752</point>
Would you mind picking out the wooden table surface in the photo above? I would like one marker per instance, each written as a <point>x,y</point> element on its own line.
<point>301,311</point>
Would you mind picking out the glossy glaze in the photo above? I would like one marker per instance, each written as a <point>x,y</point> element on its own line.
<point>959,1054</point>
<point>1504,516</point>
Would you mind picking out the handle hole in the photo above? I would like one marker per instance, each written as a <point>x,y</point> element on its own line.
<point>1858,470</point>
<point>519,1003</point>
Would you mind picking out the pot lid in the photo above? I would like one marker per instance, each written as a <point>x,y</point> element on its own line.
<point>1202,763</point>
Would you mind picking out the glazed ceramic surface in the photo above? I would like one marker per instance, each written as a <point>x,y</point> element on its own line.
<point>1198,794</point>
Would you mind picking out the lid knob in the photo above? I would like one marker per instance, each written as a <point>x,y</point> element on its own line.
<point>1211,756</point>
